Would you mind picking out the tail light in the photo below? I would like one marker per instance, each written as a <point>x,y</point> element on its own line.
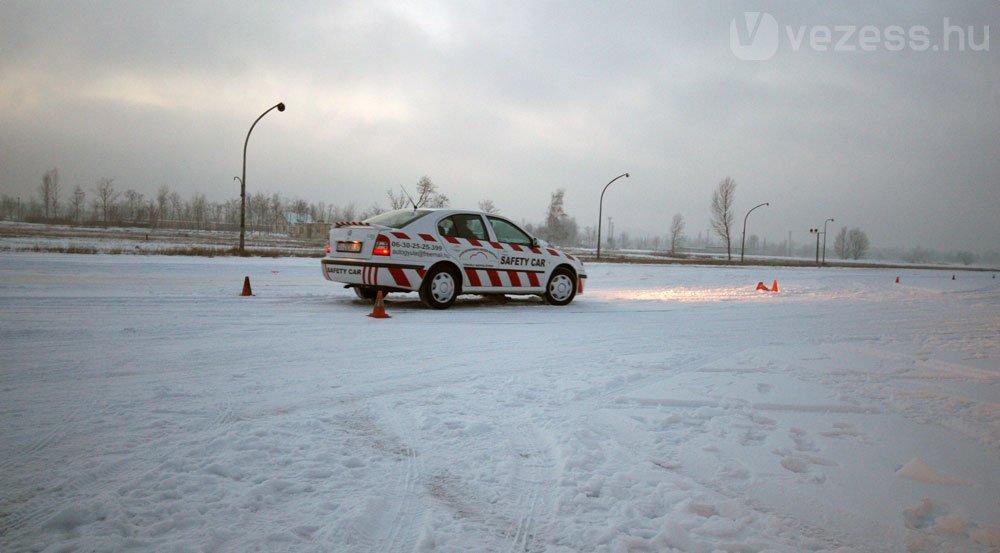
<point>381,246</point>
<point>328,248</point>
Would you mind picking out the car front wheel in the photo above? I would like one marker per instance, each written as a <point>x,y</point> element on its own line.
<point>439,288</point>
<point>561,288</point>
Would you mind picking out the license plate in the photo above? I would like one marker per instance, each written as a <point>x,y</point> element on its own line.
<point>349,246</point>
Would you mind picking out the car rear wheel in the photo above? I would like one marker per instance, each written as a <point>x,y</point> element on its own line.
<point>439,288</point>
<point>366,292</point>
<point>561,288</point>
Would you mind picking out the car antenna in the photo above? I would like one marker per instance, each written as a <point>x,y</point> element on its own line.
<point>409,197</point>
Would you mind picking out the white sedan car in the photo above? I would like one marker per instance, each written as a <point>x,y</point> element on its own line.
<point>442,253</point>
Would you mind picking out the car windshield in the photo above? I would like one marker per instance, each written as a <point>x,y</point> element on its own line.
<point>397,219</point>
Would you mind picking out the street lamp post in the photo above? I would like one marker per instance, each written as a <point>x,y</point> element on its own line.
<point>243,180</point>
<point>600,212</point>
<point>824,239</point>
<point>816,231</point>
<point>743,241</point>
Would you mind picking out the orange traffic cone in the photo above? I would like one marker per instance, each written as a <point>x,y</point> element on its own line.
<point>761,286</point>
<point>246,287</point>
<point>775,287</point>
<point>897,280</point>
<point>379,311</point>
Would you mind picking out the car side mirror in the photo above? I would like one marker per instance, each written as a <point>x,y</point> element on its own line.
<point>534,242</point>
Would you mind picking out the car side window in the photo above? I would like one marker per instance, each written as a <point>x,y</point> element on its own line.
<point>446,227</point>
<point>463,226</point>
<point>507,232</point>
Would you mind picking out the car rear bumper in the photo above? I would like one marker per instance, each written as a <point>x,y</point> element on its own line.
<point>367,273</point>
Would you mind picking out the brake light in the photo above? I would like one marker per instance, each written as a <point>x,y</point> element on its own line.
<point>328,248</point>
<point>381,246</point>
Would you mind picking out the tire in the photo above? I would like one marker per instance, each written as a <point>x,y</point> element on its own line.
<point>368,293</point>
<point>561,288</point>
<point>439,288</point>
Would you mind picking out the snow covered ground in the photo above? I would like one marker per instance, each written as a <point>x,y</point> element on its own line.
<point>145,406</point>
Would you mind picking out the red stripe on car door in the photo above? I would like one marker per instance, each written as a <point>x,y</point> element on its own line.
<point>494,278</point>
<point>399,276</point>
<point>515,280</point>
<point>473,277</point>
<point>533,280</point>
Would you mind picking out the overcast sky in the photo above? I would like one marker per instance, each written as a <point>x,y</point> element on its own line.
<point>891,127</point>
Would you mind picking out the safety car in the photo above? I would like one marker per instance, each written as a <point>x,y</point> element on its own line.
<point>443,253</point>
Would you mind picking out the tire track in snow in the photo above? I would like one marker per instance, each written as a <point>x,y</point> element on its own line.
<point>533,476</point>
<point>615,393</point>
<point>19,513</point>
<point>390,521</point>
<point>402,534</point>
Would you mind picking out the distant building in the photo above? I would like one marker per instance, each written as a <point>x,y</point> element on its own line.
<point>302,226</point>
<point>311,231</point>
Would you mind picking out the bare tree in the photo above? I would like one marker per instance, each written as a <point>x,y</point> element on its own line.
<point>162,197</point>
<point>555,229</point>
<point>49,192</point>
<point>428,196</point>
<point>77,200</point>
<point>840,243</point>
<point>106,196</point>
<point>397,201</point>
<point>372,211</point>
<point>199,209</point>
<point>676,232</point>
<point>487,206</point>
<point>851,244</point>
<point>133,202</point>
<point>176,204</point>
<point>722,212</point>
<point>857,243</point>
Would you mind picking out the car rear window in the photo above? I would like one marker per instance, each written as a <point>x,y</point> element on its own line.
<point>397,219</point>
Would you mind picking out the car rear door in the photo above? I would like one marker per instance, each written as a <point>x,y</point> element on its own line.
<point>467,240</point>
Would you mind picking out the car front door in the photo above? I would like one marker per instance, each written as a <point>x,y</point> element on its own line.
<point>522,264</point>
